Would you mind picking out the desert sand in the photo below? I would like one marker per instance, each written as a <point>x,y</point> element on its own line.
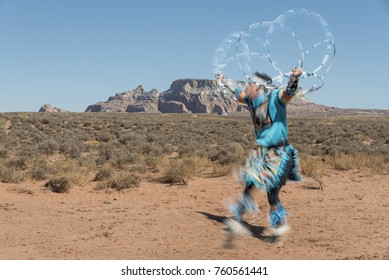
<point>347,219</point>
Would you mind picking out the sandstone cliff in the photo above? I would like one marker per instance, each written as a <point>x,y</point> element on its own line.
<point>191,96</point>
<point>47,108</point>
<point>183,96</point>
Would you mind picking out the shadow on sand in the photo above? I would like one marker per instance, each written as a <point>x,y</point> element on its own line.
<point>254,231</point>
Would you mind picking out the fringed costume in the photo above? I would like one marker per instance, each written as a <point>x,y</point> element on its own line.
<point>274,161</point>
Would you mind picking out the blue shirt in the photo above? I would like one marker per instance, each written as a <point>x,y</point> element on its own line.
<point>273,130</point>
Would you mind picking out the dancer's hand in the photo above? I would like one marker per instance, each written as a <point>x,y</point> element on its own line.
<point>297,72</point>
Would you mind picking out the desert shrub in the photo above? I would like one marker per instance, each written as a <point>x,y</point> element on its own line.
<point>342,161</point>
<point>48,147</point>
<point>81,135</point>
<point>36,138</point>
<point>45,121</point>
<point>168,149</point>
<point>18,163</point>
<point>374,162</point>
<point>186,149</point>
<point>151,162</point>
<point>87,124</point>
<point>125,125</point>
<point>124,157</point>
<point>174,171</point>
<point>150,138</point>
<point>139,168</point>
<point>221,170</point>
<point>64,148</point>
<point>100,161</point>
<point>312,166</point>
<point>27,151</point>
<point>104,174</point>
<point>231,154</point>
<point>120,181</point>
<point>202,153</point>
<point>197,166</point>
<point>330,150</point>
<point>40,173</point>
<point>103,137</point>
<point>105,151</point>
<point>129,138</point>
<point>58,184</point>
<point>73,170</point>
<point>3,154</point>
<point>151,149</point>
<point>65,167</point>
<point>10,175</point>
<point>132,157</point>
<point>87,162</point>
<point>377,163</point>
<point>75,152</point>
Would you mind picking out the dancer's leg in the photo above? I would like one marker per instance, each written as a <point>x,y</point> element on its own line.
<point>277,213</point>
<point>244,203</point>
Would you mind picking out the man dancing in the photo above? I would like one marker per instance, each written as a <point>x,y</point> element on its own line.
<point>274,160</point>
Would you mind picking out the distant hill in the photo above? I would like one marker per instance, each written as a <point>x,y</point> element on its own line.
<point>47,108</point>
<point>137,100</point>
<point>203,96</point>
<point>183,96</point>
<point>304,107</point>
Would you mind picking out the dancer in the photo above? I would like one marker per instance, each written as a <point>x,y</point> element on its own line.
<point>274,160</point>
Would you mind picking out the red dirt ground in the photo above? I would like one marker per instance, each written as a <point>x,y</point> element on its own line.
<point>348,219</point>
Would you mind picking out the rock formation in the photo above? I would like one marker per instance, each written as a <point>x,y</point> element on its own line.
<point>47,108</point>
<point>197,96</point>
<point>192,96</point>
<point>137,100</point>
<point>184,96</point>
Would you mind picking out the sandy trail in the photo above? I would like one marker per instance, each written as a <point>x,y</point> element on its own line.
<point>347,220</point>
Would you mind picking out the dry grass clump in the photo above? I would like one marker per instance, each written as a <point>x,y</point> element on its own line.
<point>313,167</point>
<point>180,170</point>
<point>41,172</point>
<point>151,162</point>
<point>11,175</point>
<point>232,153</point>
<point>376,163</point>
<point>120,181</point>
<point>174,171</point>
<point>197,166</point>
<point>220,170</point>
<point>17,163</point>
<point>345,162</point>
<point>75,170</point>
<point>104,174</point>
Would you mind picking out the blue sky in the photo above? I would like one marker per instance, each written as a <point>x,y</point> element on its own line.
<point>74,53</point>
